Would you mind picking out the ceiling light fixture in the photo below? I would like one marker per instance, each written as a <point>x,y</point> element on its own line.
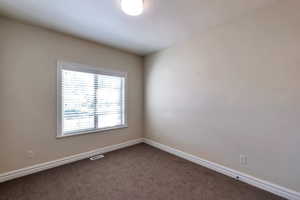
<point>132,7</point>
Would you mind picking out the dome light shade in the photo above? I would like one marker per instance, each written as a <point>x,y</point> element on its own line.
<point>132,7</point>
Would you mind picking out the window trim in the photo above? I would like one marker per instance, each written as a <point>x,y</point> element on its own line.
<point>61,65</point>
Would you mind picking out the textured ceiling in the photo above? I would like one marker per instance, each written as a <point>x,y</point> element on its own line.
<point>163,23</point>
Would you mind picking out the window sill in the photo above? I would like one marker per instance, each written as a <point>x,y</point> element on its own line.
<point>100,130</point>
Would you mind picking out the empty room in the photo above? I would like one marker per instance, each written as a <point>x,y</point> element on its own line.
<point>149,100</point>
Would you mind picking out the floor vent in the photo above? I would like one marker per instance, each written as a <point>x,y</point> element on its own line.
<point>96,157</point>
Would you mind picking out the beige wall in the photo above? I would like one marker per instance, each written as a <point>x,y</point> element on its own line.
<point>28,58</point>
<point>234,90</point>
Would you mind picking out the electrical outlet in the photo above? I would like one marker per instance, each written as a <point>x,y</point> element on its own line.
<point>30,154</point>
<point>243,160</point>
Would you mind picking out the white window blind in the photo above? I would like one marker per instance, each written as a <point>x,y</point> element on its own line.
<point>91,100</point>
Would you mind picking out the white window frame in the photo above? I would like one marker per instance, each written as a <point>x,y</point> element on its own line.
<point>63,65</point>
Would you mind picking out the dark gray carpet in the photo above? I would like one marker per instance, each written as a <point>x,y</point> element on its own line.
<point>134,173</point>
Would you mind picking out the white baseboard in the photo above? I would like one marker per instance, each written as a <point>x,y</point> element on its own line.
<point>265,185</point>
<point>48,165</point>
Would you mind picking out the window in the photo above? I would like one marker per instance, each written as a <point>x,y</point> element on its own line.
<point>89,99</point>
